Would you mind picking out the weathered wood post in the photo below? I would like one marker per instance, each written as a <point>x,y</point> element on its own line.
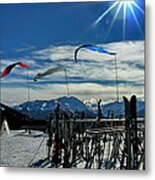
<point>133,109</point>
<point>74,144</point>
<point>50,136</point>
<point>66,141</point>
<point>131,132</point>
<point>127,147</point>
<point>56,157</point>
<point>99,109</point>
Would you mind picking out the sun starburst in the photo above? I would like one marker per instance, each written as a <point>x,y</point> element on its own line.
<point>122,6</point>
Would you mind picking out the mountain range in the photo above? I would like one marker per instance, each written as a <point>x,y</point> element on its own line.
<point>41,109</point>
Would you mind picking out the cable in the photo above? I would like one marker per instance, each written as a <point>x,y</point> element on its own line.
<point>36,152</point>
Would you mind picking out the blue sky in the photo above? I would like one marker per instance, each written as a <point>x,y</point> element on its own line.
<point>46,35</point>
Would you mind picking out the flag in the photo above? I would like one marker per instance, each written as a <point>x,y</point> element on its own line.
<point>92,48</point>
<point>8,69</point>
<point>48,72</point>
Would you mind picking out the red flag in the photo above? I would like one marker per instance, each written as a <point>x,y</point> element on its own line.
<point>23,65</point>
<point>8,69</point>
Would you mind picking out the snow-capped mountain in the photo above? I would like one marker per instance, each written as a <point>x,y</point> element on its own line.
<point>40,109</point>
<point>115,109</point>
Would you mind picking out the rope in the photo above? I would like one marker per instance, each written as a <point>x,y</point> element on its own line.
<point>36,152</point>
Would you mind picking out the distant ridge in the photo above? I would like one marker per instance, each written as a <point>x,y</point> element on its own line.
<point>41,109</point>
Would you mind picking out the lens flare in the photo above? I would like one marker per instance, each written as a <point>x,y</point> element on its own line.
<point>105,13</point>
<point>114,20</point>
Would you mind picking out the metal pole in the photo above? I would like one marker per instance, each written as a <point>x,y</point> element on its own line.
<point>28,93</point>
<point>28,85</point>
<point>0,78</point>
<point>67,84</point>
<point>116,71</point>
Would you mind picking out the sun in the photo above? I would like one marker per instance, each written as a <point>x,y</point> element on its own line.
<point>122,6</point>
<point>126,2</point>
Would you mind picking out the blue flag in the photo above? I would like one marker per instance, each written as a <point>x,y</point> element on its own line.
<point>93,48</point>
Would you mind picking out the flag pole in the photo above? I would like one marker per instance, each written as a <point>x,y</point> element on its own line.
<point>67,84</point>
<point>28,90</point>
<point>0,78</point>
<point>116,71</point>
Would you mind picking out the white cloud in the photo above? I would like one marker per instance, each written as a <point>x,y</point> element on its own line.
<point>97,65</point>
<point>82,91</point>
<point>26,47</point>
<point>92,77</point>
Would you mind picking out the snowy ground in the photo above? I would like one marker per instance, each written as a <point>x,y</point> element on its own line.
<point>19,148</point>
